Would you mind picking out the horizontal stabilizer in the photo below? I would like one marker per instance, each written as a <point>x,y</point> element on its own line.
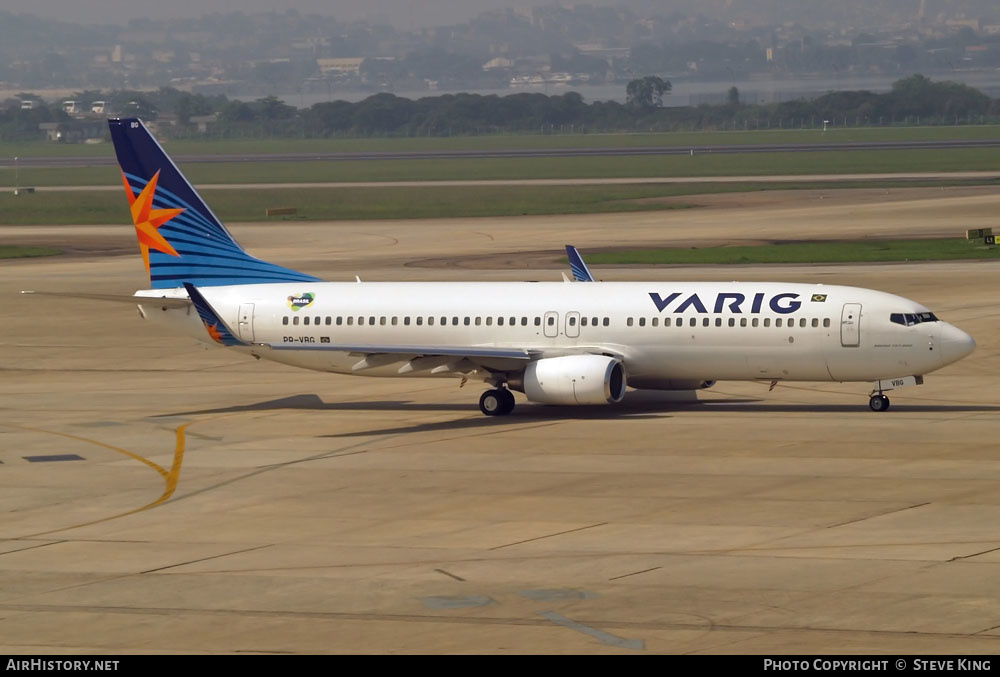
<point>159,301</point>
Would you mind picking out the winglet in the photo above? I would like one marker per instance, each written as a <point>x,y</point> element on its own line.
<point>576,264</point>
<point>216,328</point>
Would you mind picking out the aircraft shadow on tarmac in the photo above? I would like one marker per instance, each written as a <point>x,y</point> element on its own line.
<point>735,404</point>
<point>524,410</point>
<point>648,408</point>
<point>791,408</point>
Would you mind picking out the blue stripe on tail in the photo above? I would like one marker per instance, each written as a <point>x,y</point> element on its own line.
<point>576,264</point>
<point>206,253</point>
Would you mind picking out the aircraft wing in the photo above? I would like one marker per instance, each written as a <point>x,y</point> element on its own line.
<point>463,360</point>
<point>419,351</point>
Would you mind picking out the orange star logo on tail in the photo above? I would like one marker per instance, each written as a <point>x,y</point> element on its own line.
<point>214,332</point>
<point>147,220</point>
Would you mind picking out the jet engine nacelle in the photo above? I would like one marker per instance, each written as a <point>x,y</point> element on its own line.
<point>574,379</point>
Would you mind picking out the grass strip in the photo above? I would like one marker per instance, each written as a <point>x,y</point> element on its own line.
<point>459,169</point>
<point>254,145</point>
<point>16,252</point>
<point>861,251</point>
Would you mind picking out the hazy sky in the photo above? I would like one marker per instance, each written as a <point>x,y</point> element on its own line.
<point>400,13</point>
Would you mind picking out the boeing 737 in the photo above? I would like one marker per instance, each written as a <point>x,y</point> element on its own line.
<point>565,343</point>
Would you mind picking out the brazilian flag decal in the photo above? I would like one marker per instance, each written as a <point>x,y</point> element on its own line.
<point>819,298</point>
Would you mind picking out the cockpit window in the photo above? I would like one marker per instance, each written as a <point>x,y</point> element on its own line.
<point>910,319</point>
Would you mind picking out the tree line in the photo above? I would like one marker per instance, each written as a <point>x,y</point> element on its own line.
<point>912,100</point>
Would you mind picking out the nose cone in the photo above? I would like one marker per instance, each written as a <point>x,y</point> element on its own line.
<point>955,344</point>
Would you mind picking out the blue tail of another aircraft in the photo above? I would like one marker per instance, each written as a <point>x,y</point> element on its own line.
<point>180,239</point>
<point>577,265</point>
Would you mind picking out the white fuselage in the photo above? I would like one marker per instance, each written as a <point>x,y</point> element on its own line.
<point>666,333</point>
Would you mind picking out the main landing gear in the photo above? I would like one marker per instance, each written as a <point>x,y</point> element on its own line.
<point>497,402</point>
<point>878,402</point>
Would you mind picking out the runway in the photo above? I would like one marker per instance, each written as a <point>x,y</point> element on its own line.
<point>157,497</point>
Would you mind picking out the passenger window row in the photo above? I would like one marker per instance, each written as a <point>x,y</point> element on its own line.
<point>443,320</point>
<point>730,322</point>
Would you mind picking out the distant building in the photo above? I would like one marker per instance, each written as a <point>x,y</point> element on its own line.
<point>340,67</point>
<point>74,131</point>
<point>203,121</point>
<point>498,63</point>
<point>609,54</point>
<point>311,45</point>
<point>963,23</point>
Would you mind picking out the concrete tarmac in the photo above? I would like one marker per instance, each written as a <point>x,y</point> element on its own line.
<point>159,497</point>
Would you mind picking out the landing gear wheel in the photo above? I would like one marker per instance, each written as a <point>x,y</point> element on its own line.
<point>496,402</point>
<point>878,402</point>
<point>507,401</point>
<point>490,403</point>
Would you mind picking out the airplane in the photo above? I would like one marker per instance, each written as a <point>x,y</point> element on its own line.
<point>556,342</point>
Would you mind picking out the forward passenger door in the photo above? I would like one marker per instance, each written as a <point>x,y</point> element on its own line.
<point>850,325</point>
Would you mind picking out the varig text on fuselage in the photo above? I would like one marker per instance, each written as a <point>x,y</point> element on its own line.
<point>732,302</point>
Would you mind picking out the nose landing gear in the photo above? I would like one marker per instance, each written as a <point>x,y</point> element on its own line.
<point>878,402</point>
<point>496,402</point>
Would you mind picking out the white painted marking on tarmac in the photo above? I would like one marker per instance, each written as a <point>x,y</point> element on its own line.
<point>599,635</point>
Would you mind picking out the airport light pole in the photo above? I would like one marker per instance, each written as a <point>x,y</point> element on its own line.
<point>17,176</point>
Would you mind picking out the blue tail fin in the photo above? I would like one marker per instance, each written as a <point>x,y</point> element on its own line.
<point>180,239</point>
<point>576,264</point>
